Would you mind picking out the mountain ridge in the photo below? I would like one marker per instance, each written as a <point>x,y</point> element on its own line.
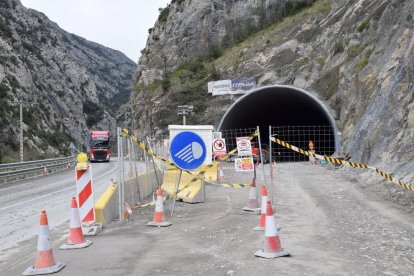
<point>72,84</point>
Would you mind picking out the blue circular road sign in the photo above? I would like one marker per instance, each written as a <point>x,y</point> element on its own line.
<point>188,150</point>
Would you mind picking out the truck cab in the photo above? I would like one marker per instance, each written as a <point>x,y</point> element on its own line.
<point>98,146</point>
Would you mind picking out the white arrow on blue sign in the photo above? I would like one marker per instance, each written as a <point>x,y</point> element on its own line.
<point>188,150</point>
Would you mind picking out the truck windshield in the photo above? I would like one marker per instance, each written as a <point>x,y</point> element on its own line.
<point>100,144</point>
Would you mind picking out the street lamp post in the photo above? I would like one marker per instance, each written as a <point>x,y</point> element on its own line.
<point>184,110</point>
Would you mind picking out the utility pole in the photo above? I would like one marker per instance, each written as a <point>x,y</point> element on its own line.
<point>21,132</point>
<point>184,110</point>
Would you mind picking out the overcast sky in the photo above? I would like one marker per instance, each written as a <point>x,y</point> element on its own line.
<point>119,24</point>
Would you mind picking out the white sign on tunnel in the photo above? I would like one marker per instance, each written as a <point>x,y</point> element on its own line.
<point>232,87</point>
<point>244,147</point>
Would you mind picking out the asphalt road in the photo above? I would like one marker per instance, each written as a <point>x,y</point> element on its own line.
<point>329,224</point>
<point>21,202</point>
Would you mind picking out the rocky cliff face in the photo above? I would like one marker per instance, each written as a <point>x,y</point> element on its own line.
<point>354,55</point>
<point>67,84</point>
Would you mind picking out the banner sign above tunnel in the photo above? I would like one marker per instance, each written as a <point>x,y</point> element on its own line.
<point>231,87</point>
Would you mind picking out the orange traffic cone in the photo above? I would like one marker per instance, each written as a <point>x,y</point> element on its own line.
<point>252,201</point>
<point>221,175</point>
<point>262,222</point>
<point>76,239</point>
<point>45,172</point>
<point>45,263</point>
<point>272,247</point>
<point>127,211</point>
<point>159,219</point>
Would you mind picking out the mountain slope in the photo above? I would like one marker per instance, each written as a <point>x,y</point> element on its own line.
<point>67,84</point>
<point>354,55</point>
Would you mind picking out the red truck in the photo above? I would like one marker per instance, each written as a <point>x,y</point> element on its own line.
<point>98,146</point>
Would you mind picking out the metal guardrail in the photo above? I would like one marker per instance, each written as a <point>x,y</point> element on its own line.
<point>18,171</point>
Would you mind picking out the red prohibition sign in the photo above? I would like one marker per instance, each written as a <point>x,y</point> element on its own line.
<point>219,145</point>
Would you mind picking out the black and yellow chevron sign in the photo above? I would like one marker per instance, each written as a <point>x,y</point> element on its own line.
<point>343,162</point>
<point>197,176</point>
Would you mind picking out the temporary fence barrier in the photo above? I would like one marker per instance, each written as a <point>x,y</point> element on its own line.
<point>200,173</point>
<point>321,136</point>
<point>338,161</point>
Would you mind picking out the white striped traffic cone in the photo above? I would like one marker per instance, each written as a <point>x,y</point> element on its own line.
<point>272,247</point>
<point>76,239</point>
<point>221,175</point>
<point>262,222</point>
<point>273,168</point>
<point>45,262</point>
<point>252,200</point>
<point>159,218</point>
<point>45,172</point>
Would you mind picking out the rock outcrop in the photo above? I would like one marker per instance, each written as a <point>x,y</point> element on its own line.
<point>354,55</point>
<point>66,83</point>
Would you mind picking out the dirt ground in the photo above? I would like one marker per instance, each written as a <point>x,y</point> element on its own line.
<point>329,224</point>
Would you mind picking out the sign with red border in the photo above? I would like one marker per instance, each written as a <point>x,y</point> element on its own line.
<point>244,147</point>
<point>219,147</point>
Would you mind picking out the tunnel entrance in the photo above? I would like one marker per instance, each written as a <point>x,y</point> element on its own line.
<point>295,115</point>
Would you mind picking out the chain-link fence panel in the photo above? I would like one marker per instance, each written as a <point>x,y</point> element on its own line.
<point>319,139</point>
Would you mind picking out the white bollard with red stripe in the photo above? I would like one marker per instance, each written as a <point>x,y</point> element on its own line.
<point>85,195</point>
<point>84,191</point>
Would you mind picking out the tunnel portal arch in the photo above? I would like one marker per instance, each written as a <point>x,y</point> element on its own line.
<point>282,105</point>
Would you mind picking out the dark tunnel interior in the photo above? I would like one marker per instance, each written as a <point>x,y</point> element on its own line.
<point>295,117</point>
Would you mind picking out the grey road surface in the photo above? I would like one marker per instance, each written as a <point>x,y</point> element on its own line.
<point>329,224</point>
<point>21,202</point>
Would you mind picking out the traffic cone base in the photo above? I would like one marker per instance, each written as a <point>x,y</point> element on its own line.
<point>259,228</point>
<point>159,224</point>
<point>270,255</point>
<point>75,245</point>
<point>42,271</point>
<point>92,230</point>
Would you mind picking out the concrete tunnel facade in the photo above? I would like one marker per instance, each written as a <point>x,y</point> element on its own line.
<point>280,105</point>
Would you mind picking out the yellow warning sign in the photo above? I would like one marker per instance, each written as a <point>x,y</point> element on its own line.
<point>244,164</point>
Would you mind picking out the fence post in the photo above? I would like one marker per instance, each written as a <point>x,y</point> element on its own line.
<point>118,137</point>
<point>136,172</point>
<point>261,156</point>
<point>153,162</point>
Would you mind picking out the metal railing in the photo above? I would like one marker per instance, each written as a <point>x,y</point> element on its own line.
<point>18,171</point>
